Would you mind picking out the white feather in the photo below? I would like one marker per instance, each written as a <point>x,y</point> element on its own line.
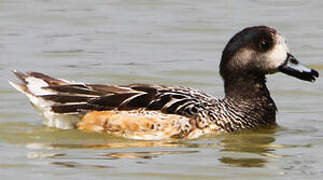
<point>35,86</point>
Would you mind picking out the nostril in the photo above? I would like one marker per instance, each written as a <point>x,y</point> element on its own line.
<point>294,61</point>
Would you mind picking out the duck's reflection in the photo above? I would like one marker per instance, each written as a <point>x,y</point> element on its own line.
<point>113,144</point>
<point>244,162</point>
<point>252,149</point>
<point>145,155</point>
<point>72,164</point>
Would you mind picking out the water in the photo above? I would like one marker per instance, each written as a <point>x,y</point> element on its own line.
<point>166,42</point>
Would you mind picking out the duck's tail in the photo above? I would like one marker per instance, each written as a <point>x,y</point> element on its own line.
<point>34,86</point>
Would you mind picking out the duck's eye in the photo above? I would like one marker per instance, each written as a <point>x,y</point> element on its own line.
<point>264,45</point>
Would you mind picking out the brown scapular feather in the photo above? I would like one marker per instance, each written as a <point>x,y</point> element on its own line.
<point>62,98</point>
<point>112,100</point>
<point>74,89</point>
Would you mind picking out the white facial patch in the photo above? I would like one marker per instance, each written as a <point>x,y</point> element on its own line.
<point>276,56</point>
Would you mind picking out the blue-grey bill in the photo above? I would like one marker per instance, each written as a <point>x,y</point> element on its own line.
<point>292,67</point>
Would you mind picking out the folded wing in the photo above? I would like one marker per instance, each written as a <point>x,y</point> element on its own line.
<point>62,96</point>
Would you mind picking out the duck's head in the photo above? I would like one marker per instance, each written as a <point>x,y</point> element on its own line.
<point>260,50</point>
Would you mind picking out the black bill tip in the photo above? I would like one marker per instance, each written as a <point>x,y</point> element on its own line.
<point>315,73</point>
<point>311,76</point>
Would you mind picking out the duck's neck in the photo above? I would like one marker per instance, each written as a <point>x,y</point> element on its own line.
<point>246,86</point>
<point>249,102</point>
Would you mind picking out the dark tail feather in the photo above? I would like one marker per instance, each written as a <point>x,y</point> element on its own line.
<point>22,76</point>
<point>75,89</point>
<point>50,80</point>
<point>66,98</point>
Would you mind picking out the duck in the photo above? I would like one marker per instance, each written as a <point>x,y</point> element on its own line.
<point>157,112</point>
